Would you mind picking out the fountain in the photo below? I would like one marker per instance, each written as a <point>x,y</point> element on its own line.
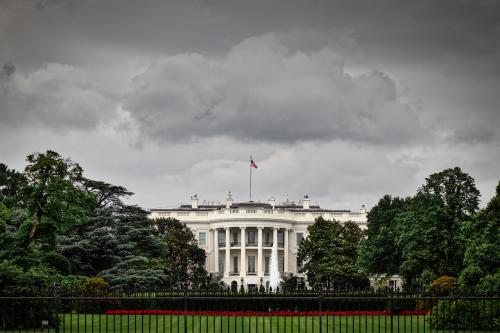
<point>274,274</point>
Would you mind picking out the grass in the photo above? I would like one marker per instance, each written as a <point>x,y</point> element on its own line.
<point>74,323</point>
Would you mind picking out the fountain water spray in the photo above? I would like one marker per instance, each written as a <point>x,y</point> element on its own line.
<point>274,274</point>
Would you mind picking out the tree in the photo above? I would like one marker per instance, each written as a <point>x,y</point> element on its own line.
<point>118,242</point>
<point>379,253</point>
<point>457,190</point>
<point>52,197</point>
<point>11,182</point>
<point>482,255</point>
<point>429,239</point>
<point>184,259</point>
<point>330,254</point>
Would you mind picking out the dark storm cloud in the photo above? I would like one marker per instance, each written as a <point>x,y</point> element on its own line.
<point>261,90</point>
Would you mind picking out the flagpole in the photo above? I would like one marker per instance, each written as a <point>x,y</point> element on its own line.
<point>250,177</point>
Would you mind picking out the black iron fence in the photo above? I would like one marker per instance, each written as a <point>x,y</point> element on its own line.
<point>203,311</point>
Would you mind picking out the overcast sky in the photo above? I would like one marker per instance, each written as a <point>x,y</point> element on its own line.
<point>342,100</point>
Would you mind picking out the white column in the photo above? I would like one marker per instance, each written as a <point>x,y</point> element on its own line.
<point>227,263</point>
<point>243,261</point>
<point>260,263</point>
<point>216,251</point>
<point>275,236</point>
<point>285,252</point>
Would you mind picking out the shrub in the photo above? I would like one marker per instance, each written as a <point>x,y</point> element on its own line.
<point>465,314</point>
<point>443,286</point>
<point>94,286</point>
<point>489,284</point>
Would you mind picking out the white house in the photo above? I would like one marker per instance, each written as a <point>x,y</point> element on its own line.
<point>238,237</point>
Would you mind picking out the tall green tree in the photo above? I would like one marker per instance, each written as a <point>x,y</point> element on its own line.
<point>380,253</point>
<point>482,255</point>
<point>429,239</point>
<point>330,254</point>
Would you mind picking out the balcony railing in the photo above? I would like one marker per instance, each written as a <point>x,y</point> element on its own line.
<point>251,243</point>
<point>251,273</point>
<point>281,244</point>
<point>267,244</point>
<point>222,244</point>
<point>235,243</point>
<point>234,273</point>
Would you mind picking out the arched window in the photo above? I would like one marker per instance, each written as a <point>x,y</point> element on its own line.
<point>234,286</point>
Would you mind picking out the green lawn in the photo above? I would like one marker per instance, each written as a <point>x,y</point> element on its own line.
<point>197,324</point>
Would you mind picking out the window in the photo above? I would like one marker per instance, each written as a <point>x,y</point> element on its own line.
<point>222,238</point>
<point>267,241</point>
<point>202,238</point>
<point>235,265</point>
<point>251,237</point>
<point>266,264</point>
<point>281,238</point>
<point>251,264</point>
<point>299,264</point>
<point>221,263</point>
<point>392,284</point>
<point>251,211</point>
<point>300,238</point>
<point>281,264</point>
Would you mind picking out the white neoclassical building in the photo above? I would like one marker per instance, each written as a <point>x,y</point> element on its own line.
<point>238,237</point>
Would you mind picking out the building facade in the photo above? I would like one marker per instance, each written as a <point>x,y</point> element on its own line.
<point>238,237</point>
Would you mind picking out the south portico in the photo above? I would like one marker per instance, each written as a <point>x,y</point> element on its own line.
<point>243,251</point>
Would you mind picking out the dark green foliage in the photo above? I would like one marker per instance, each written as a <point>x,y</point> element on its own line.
<point>456,189</point>
<point>429,239</point>
<point>330,254</point>
<point>379,252</point>
<point>11,182</point>
<point>58,262</point>
<point>465,314</point>
<point>482,256</point>
<point>51,195</point>
<point>54,223</point>
<point>424,236</point>
<point>184,259</point>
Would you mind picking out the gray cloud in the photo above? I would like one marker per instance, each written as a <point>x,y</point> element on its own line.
<point>261,90</point>
<point>55,96</point>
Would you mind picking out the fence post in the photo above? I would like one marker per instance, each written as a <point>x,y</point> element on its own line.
<point>57,299</point>
<point>185,311</point>
<point>320,311</point>
<point>457,314</point>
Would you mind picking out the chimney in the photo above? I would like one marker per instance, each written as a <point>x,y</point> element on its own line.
<point>272,202</point>
<point>229,200</point>
<point>194,201</point>
<point>306,202</point>
<point>363,209</point>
